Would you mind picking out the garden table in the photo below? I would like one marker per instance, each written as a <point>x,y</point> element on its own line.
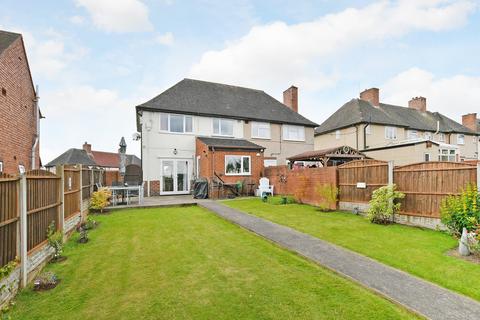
<point>126,191</point>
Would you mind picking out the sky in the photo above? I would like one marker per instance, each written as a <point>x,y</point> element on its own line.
<point>95,60</point>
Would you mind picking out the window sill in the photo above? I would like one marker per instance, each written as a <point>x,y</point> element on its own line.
<point>293,140</point>
<point>260,138</point>
<point>238,174</point>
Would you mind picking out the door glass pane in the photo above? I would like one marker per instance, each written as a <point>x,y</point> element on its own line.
<point>182,175</point>
<point>176,123</point>
<point>167,176</point>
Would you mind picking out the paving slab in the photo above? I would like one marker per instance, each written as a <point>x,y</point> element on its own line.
<point>415,294</point>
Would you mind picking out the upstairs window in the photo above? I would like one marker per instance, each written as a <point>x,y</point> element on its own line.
<point>428,135</point>
<point>222,127</point>
<point>337,134</point>
<point>261,130</point>
<point>460,139</point>
<point>390,133</point>
<point>412,134</point>
<point>441,137</point>
<point>293,133</point>
<point>176,123</point>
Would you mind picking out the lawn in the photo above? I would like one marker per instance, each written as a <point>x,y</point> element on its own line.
<point>418,251</point>
<point>186,263</point>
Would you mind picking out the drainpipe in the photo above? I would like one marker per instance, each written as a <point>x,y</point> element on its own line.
<point>37,123</point>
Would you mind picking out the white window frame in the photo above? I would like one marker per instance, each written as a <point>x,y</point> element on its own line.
<point>338,133</point>
<point>460,139</point>
<point>393,131</point>
<point>263,125</point>
<point>285,129</point>
<point>412,134</point>
<point>441,137</point>
<point>427,155</point>
<point>448,156</point>
<point>428,135</point>
<point>220,120</point>
<point>168,123</point>
<point>242,173</point>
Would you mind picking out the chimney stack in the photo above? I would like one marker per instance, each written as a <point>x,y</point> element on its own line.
<point>290,98</point>
<point>87,147</point>
<point>371,95</point>
<point>470,121</point>
<point>418,103</point>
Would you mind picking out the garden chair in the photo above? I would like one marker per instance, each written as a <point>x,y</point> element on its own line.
<point>264,188</point>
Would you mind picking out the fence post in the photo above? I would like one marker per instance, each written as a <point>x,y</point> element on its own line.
<point>23,230</point>
<point>61,195</point>
<point>390,172</point>
<point>81,188</point>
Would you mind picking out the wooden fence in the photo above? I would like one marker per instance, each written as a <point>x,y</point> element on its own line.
<point>352,175</point>
<point>9,218</point>
<point>42,197</point>
<point>426,184</point>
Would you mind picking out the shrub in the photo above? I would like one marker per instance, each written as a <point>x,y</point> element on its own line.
<point>384,204</point>
<point>328,196</point>
<point>462,211</point>
<point>279,200</point>
<point>55,240</point>
<point>100,199</point>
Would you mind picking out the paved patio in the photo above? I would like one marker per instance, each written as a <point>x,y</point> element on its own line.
<point>417,295</point>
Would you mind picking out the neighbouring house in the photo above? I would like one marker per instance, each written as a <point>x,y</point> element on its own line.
<point>170,123</point>
<point>473,123</point>
<point>20,114</point>
<point>402,134</point>
<point>111,162</point>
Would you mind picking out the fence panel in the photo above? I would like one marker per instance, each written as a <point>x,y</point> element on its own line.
<point>71,189</point>
<point>9,218</point>
<point>426,184</point>
<point>373,173</point>
<point>43,203</point>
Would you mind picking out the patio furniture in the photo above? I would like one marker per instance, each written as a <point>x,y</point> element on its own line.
<point>264,188</point>
<point>127,191</point>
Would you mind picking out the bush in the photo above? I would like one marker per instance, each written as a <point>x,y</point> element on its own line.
<point>463,211</point>
<point>100,199</point>
<point>279,200</point>
<point>384,204</point>
<point>55,240</point>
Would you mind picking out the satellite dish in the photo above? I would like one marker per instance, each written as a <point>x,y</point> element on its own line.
<point>136,136</point>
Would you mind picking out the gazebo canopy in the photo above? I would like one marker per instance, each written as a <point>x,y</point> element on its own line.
<point>331,156</point>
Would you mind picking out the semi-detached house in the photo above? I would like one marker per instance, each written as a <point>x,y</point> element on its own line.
<point>245,126</point>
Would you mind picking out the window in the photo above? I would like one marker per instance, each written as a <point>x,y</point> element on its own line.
<point>441,137</point>
<point>222,127</point>
<point>21,169</point>
<point>176,123</point>
<point>337,134</point>
<point>460,139</point>
<point>427,157</point>
<point>412,134</point>
<point>261,130</point>
<point>269,162</point>
<point>237,165</point>
<point>428,135</point>
<point>368,129</point>
<point>293,133</point>
<point>390,133</point>
<point>446,155</point>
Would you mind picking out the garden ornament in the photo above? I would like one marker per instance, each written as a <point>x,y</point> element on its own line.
<point>463,244</point>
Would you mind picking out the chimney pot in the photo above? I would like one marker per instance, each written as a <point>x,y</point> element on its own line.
<point>371,95</point>
<point>290,98</point>
<point>470,121</point>
<point>418,103</point>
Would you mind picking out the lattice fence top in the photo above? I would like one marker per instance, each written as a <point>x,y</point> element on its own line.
<point>40,173</point>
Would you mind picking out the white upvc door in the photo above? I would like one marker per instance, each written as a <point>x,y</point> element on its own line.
<point>175,177</point>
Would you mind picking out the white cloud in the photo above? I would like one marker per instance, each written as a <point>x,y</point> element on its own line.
<point>118,15</point>
<point>165,39</point>
<point>78,20</point>
<point>452,96</point>
<point>277,54</point>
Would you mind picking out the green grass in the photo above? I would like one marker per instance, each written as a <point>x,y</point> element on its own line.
<point>420,252</point>
<point>186,263</point>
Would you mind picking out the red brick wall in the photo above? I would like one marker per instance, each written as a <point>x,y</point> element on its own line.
<point>307,185</point>
<point>210,160</point>
<point>17,120</point>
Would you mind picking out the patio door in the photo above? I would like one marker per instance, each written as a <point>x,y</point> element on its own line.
<point>175,176</point>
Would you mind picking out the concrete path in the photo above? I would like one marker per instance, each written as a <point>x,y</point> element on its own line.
<point>415,294</point>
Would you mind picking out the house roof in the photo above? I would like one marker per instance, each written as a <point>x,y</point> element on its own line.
<point>225,143</point>
<point>72,156</point>
<point>97,158</point>
<point>7,38</point>
<point>358,111</point>
<point>220,100</point>
<point>411,142</point>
